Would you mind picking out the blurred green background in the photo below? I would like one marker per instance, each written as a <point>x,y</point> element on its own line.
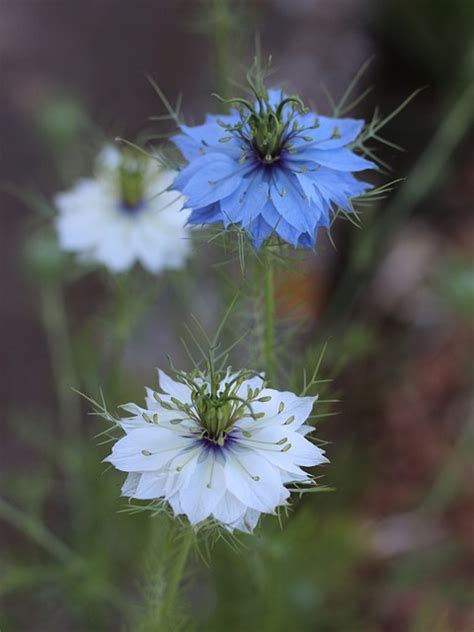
<point>392,549</point>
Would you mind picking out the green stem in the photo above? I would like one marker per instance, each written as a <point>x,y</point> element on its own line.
<point>177,573</point>
<point>269,308</point>
<point>163,614</point>
<point>53,313</point>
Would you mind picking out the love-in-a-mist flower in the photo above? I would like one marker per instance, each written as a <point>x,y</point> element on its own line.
<point>270,167</point>
<point>219,446</point>
<point>125,214</point>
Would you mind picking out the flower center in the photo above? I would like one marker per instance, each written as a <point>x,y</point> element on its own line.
<point>216,416</point>
<point>267,129</point>
<point>267,135</point>
<point>217,403</point>
<point>131,181</point>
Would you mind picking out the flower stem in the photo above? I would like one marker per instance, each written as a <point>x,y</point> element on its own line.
<point>163,612</point>
<point>177,573</point>
<point>56,327</point>
<point>269,308</point>
<point>53,312</point>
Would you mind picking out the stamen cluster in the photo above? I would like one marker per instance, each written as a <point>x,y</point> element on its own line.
<point>266,129</point>
<point>131,176</point>
<point>217,405</point>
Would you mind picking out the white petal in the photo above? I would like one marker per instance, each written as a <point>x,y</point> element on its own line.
<point>163,240</point>
<point>304,452</point>
<point>151,486</point>
<point>109,158</point>
<point>163,483</point>
<point>229,510</point>
<point>147,449</point>
<point>252,480</point>
<point>150,400</point>
<point>274,443</point>
<point>181,469</point>
<point>84,214</point>
<point>128,424</point>
<point>164,418</point>
<point>131,483</point>
<point>153,241</point>
<point>248,522</point>
<point>285,461</point>
<point>116,249</point>
<point>291,477</point>
<point>175,504</point>
<point>155,410</point>
<point>254,383</point>
<point>180,391</point>
<point>204,489</point>
<point>296,410</point>
<point>305,429</point>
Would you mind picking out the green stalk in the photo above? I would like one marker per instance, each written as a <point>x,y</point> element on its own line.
<point>132,297</point>
<point>164,612</point>
<point>269,310</point>
<point>171,592</point>
<point>54,318</point>
<point>53,313</point>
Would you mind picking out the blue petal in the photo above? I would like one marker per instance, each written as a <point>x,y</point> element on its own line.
<point>210,132</point>
<point>325,218</point>
<point>215,180</point>
<point>348,130</point>
<point>187,146</point>
<point>338,187</point>
<point>307,185</point>
<point>318,213</point>
<point>259,231</point>
<point>340,159</point>
<point>193,168</point>
<point>210,214</point>
<point>306,240</point>
<point>288,198</point>
<point>340,180</point>
<point>279,225</point>
<point>246,202</point>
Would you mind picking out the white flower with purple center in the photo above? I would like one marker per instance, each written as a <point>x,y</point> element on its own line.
<point>218,446</point>
<point>125,214</point>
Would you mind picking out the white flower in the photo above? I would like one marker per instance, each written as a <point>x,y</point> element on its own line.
<point>224,447</point>
<point>125,214</point>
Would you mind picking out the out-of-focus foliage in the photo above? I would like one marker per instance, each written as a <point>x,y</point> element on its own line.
<point>431,36</point>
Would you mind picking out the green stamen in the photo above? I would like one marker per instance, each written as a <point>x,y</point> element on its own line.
<point>265,128</point>
<point>131,178</point>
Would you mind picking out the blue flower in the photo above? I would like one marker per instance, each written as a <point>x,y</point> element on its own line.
<point>270,167</point>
